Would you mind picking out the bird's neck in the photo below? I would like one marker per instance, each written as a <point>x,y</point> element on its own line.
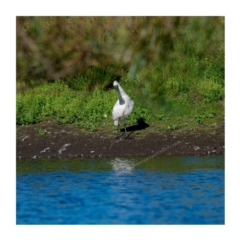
<point>120,93</point>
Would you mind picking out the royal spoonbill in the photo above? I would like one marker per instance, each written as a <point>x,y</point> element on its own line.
<point>122,108</point>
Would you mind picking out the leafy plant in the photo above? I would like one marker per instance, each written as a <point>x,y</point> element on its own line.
<point>199,119</point>
<point>211,90</point>
<point>171,127</point>
<point>41,132</point>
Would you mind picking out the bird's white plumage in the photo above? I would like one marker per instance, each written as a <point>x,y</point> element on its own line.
<point>124,105</point>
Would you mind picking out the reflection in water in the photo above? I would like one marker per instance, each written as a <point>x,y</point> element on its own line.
<point>164,190</point>
<point>121,166</point>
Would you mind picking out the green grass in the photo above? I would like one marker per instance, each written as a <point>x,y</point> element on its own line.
<point>173,69</point>
<point>90,110</point>
<point>65,105</point>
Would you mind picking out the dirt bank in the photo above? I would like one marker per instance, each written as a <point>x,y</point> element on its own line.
<point>50,140</point>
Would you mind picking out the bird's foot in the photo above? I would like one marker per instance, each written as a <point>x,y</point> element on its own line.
<point>127,137</point>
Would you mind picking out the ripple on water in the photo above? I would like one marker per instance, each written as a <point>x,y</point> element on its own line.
<point>166,190</point>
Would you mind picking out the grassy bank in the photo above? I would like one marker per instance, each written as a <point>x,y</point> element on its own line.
<point>173,69</point>
<point>90,110</point>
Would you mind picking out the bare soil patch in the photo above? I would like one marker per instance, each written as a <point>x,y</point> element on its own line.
<point>50,140</point>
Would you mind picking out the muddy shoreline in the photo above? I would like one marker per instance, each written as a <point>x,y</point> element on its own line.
<point>48,140</point>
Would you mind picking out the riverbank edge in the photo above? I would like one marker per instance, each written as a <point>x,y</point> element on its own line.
<point>49,140</point>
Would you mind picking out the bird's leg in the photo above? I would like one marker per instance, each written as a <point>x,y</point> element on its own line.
<point>118,135</point>
<point>125,129</point>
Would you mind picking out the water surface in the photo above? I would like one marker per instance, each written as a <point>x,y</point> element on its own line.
<point>163,190</point>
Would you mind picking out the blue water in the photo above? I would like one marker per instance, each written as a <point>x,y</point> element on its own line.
<point>164,190</point>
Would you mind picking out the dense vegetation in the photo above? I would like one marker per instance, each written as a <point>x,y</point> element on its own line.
<point>172,67</point>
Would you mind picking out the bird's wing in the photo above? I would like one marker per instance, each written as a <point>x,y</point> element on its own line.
<point>118,111</point>
<point>129,107</point>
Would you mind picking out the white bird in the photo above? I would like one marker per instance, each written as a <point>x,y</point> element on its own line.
<point>122,108</point>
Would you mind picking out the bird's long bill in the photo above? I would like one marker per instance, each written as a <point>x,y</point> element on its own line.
<point>121,100</point>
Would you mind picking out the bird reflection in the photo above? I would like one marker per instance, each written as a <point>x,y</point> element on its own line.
<point>122,166</point>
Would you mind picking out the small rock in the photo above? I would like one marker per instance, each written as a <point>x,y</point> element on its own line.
<point>24,138</point>
<point>44,150</point>
<point>196,148</point>
<point>64,147</point>
<point>92,151</point>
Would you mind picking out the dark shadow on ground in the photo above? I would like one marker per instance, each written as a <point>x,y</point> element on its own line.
<point>141,124</point>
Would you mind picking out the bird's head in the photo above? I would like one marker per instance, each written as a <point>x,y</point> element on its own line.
<point>115,84</point>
